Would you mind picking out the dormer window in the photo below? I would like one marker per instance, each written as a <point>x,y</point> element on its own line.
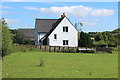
<point>65,29</point>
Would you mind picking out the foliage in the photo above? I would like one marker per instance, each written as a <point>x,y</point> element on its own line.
<point>23,48</point>
<point>19,38</point>
<point>116,30</point>
<point>72,50</point>
<point>101,43</point>
<point>6,41</point>
<point>85,40</point>
<point>41,63</point>
<point>111,44</point>
<point>98,37</point>
<point>106,38</point>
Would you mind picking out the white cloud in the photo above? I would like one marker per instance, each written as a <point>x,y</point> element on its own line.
<point>102,12</point>
<point>31,8</point>
<point>89,23</point>
<point>76,11</point>
<point>12,21</point>
<point>89,20</point>
<point>6,7</point>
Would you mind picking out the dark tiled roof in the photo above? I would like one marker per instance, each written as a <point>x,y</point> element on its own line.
<point>28,33</point>
<point>53,27</point>
<point>44,25</point>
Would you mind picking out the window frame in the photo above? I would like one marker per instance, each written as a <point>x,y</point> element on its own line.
<point>55,36</point>
<point>65,42</point>
<point>65,28</point>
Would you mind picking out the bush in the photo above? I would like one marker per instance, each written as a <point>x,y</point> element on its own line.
<point>6,41</point>
<point>41,63</point>
<point>72,50</point>
<point>111,44</point>
<point>100,44</point>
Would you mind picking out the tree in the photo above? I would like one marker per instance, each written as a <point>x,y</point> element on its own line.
<point>85,40</point>
<point>105,37</point>
<point>17,37</point>
<point>99,37</point>
<point>6,41</point>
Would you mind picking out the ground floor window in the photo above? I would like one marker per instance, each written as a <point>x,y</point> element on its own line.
<point>65,42</point>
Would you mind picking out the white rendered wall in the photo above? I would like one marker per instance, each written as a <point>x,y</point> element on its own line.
<point>40,35</point>
<point>71,35</point>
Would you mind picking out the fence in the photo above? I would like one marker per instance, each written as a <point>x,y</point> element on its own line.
<point>65,49</point>
<point>55,48</point>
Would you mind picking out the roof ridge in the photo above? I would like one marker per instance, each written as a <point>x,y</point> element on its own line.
<point>25,28</point>
<point>46,19</point>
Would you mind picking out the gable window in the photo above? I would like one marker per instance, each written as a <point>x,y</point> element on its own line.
<point>65,29</point>
<point>65,42</point>
<point>55,36</point>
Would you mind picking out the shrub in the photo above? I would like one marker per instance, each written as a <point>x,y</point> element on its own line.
<point>6,41</point>
<point>101,44</point>
<point>111,44</point>
<point>41,63</point>
<point>72,50</point>
<point>85,40</point>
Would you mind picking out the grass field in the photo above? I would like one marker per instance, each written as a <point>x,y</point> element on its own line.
<point>60,65</point>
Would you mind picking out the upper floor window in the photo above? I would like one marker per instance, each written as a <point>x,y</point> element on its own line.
<point>65,29</point>
<point>55,36</point>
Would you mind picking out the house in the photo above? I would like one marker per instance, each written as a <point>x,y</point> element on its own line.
<point>56,32</point>
<point>28,33</point>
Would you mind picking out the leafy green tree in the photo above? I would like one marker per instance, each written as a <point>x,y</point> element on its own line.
<point>101,43</point>
<point>105,37</point>
<point>17,37</point>
<point>6,41</point>
<point>85,40</point>
<point>99,37</point>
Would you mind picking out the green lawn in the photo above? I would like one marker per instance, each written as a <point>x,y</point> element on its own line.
<point>60,65</point>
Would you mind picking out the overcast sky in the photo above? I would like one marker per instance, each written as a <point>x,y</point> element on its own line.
<point>96,16</point>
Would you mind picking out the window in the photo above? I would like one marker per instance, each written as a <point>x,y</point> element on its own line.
<point>65,29</point>
<point>65,42</point>
<point>55,36</point>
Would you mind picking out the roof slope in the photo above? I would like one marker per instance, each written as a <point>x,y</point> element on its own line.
<point>44,25</point>
<point>28,33</point>
<point>53,27</point>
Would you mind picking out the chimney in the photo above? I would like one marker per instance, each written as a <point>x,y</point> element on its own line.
<point>63,15</point>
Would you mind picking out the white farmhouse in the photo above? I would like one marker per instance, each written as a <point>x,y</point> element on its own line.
<point>56,32</point>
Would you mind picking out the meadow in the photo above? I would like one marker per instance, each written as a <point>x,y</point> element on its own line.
<point>34,64</point>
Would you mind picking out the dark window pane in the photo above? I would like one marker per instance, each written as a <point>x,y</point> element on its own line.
<point>63,29</point>
<point>66,42</point>
<point>66,29</point>
<point>55,36</point>
<point>63,42</point>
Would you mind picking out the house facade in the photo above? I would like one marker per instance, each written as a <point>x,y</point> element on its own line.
<point>56,32</point>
